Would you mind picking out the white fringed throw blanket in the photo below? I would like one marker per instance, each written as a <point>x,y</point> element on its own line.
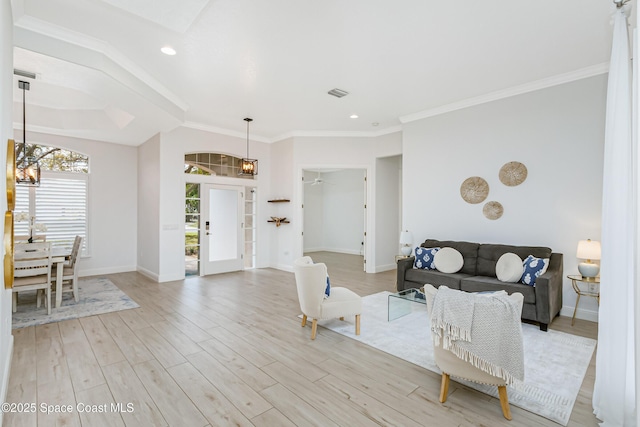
<point>482,329</point>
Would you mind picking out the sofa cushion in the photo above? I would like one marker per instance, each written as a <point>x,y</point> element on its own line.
<point>480,283</point>
<point>435,278</point>
<point>509,268</point>
<point>448,260</point>
<point>468,250</point>
<point>425,257</point>
<point>489,254</point>
<point>533,268</point>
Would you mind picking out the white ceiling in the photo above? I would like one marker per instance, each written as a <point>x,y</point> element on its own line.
<point>101,75</point>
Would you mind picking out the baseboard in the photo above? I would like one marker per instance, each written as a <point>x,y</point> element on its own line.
<point>287,268</point>
<point>148,273</point>
<point>309,250</point>
<point>109,270</point>
<point>386,267</point>
<point>336,250</point>
<point>169,278</point>
<point>343,251</point>
<point>6,372</point>
<point>581,313</point>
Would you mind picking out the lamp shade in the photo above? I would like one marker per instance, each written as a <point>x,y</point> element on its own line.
<point>406,238</point>
<point>588,249</point>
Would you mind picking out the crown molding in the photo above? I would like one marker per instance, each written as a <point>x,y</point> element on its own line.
<point>121,64</point>
<point>559,79</point>
<point>223,131</point>
<point>292,134</point>
<point>338,134</point>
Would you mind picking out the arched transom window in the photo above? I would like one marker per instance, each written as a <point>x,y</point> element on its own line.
<point>217,164</point>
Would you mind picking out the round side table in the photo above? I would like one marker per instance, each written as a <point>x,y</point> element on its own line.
<point>591,289</point>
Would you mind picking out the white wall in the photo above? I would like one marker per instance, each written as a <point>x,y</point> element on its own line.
<point>6,126</point>
<point>173,146</point>
<point>389,197</point>
<point>148,207</point>
<point>113,202</point>
<point>281,255</point>
<point>556,132</point>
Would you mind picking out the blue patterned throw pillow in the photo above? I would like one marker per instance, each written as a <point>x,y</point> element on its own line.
<point>327,290</point>
<point>424,258</point>
<point>533,268</point>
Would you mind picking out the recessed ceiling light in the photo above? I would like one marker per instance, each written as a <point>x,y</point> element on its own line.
<point>354,116</point>
<point>375,124</point>
<point>168,50</point>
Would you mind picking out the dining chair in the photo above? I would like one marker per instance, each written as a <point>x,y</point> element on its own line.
<point>32,271</point>
<point>37,238</point>
<point>70,270</point>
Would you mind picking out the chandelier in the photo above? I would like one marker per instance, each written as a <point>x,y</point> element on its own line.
<point>28,172</point>
<point>248,166</point>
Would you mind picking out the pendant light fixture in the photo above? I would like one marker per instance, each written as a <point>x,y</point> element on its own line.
<point>248,167</point>
<point>28,172</point>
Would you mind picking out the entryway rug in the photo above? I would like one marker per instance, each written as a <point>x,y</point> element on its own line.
<point>97,296</point>
<point>555,362</point>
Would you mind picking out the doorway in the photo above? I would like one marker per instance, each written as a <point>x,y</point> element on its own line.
<point>221,228</point>
<point>334,214</point>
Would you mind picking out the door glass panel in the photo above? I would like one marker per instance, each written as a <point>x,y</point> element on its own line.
<point>223,224</point>
<point>192,229</point>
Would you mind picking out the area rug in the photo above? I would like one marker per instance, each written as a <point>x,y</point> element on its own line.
<point>555,362</point>
<point>97,296</point>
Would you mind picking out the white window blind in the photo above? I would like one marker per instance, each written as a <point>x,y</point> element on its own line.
<point>60,203</point>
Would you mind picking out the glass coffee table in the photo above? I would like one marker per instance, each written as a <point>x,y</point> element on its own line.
<point>401,303</point>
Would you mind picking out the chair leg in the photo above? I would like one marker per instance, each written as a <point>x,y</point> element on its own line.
<point>76,297</point>
<point>444,387</point>
<point>504,402</point>
<point>304,320</point>
<point>48,302</point>
<point>14,302</point>
<point>357,324</point>
<point>38,294</point>
<point>314,328</point>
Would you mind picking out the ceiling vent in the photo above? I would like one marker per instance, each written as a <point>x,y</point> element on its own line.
<point>338,93</point>
<point>23,73</point>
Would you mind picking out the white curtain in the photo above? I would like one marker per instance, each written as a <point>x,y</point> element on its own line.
<point>614,394</point>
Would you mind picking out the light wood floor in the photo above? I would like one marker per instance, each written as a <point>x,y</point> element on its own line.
<point>229,350</point>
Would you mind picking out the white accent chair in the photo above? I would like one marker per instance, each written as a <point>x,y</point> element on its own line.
<point>451,365</point>
<point>70,270</point>
<point>311,282</point>
<point>32,271</point>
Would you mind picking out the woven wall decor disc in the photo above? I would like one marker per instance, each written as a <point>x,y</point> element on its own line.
<point>513,173</point>
<point>474,190</point>
<point>492,210</point>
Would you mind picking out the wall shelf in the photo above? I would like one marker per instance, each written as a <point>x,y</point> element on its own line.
<point>278,221</point>
<point>279,201</point>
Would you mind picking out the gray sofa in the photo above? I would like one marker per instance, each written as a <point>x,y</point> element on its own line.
<point>542,302</point>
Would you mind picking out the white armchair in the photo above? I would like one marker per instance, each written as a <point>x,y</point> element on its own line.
<point>450,364</point>
<point>311,281</point>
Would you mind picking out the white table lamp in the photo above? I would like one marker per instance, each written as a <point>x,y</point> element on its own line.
<point>588,250</point>
<point>406,240</point>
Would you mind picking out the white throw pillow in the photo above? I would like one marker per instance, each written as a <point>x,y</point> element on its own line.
<point>448,260</point>
<point>509,268</point>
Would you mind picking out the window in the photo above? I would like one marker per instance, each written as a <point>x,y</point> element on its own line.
<point>213,164</point>
<point>58,207</point>
<point>192,229</point>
